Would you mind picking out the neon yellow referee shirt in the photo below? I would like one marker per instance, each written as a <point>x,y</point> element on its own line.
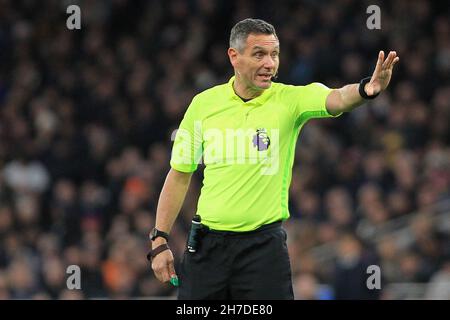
<point>248,150</point>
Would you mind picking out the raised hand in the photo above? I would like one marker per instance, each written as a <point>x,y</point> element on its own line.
<point>382,73</point>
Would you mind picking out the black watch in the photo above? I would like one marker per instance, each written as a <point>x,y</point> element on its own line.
<point>155,233</point>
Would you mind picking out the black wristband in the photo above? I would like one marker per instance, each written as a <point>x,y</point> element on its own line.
<point>153,253</point>
<point>361,90</point>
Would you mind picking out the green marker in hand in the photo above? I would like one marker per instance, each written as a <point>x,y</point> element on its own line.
<point>174,281</point>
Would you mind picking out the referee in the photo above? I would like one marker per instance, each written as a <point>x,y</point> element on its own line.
<point>245,131</point>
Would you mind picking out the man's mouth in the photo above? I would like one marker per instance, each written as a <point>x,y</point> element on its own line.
<point>265,76</point>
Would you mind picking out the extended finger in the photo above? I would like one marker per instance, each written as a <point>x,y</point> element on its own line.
<point>394,56</point>
<point>394,62</point>
<point>389,59</point>
<point>379,62</point>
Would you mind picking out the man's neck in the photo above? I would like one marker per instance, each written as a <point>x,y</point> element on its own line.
<point>244,92</point>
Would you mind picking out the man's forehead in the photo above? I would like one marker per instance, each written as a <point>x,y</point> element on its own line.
<point>262,40</point>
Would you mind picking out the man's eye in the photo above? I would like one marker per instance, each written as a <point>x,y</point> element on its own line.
<point>259,55</point>
<point>275,54</point>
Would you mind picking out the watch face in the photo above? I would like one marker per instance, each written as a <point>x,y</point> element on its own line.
<point>156,233</point>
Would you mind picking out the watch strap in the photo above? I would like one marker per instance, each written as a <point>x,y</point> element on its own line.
<point>158,233</point>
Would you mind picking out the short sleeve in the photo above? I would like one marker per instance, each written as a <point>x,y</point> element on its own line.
<point>187,146</point>
<point>310,101</point>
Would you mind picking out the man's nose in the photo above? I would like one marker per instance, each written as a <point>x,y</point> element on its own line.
<point>269,62</point>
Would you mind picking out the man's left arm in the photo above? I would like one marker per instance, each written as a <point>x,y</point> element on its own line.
<point>348,97</point>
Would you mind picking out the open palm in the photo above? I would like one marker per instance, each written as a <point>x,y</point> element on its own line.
<point>382,73</point>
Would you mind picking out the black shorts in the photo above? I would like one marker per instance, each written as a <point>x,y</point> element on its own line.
<point>238,265</point>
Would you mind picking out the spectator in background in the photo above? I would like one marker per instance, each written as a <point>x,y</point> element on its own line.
<point>351,269</point>
<point>308,288</point>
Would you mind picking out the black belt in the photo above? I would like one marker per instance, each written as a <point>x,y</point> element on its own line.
<point>265,227</point>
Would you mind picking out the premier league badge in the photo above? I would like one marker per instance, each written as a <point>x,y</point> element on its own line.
<point>261,140</point>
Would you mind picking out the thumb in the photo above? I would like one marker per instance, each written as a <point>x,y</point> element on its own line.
<point>171,268</point>
<point>369,89</point>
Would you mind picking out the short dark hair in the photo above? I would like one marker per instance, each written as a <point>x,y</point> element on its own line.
<point>242,29</point>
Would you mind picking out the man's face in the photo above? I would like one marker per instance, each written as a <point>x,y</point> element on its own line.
<point>258,62</point>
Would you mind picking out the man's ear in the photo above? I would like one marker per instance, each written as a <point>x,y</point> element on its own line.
<point>233,55</point>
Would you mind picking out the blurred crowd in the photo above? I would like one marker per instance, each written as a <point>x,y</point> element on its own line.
<point>86,123</point>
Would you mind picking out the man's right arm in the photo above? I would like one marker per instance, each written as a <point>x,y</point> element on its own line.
<point>170,201</point>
